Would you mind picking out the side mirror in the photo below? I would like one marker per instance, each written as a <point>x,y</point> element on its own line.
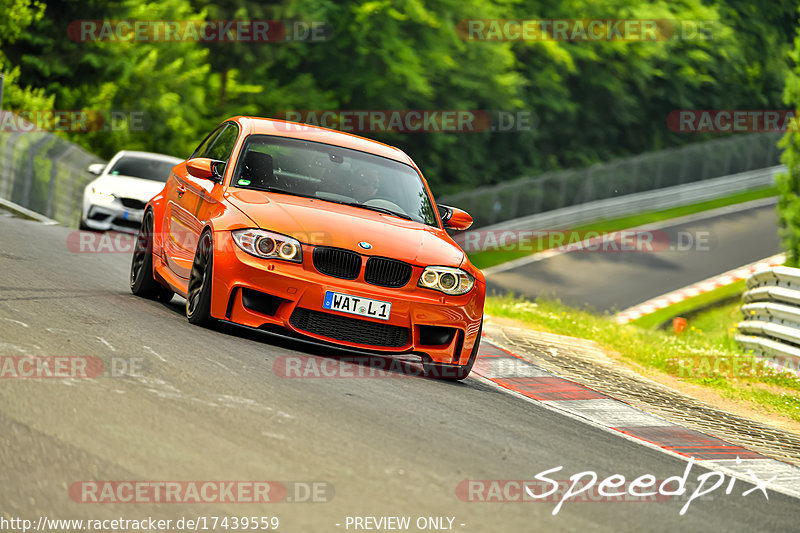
<point>455,218</point>
<point>205,168</point>
<point>97,168</point>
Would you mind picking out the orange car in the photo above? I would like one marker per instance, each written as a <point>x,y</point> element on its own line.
<point>326,234</point>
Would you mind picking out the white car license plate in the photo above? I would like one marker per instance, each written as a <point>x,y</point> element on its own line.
<point>355,305</point>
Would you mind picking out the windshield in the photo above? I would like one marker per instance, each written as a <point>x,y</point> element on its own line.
<point>142,167</point>
<point>333,173</point>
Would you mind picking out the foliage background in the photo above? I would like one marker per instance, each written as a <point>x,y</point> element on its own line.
<point>593,101</point>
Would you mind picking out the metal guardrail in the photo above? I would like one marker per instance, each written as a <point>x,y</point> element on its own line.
<point>771,325</point>
<point>691,163</point>
<point>632,204</point>
<point>45,174</point>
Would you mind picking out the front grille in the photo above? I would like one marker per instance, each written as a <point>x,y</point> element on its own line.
<point>132,203</point>
<point>337,263</point>
<point>387,272</point>
<point>342,328</point>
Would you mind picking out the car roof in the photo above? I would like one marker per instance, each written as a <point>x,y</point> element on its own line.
<point>148,155</point>
<point>295,130</point>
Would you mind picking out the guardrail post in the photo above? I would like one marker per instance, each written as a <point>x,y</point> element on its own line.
<point>514,204</point>
<point>749,151</point>
<point>590,190</point>
<point>562,190</point>
<point>635,175</point>
<point>537,208</point>
<point>9,166</point>
<point>54,166</point>
<point>71,197</point>
<point>31,174</point>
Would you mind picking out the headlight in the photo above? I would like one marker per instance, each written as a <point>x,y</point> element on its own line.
<point>448,280</point>
<point>268,245</point>
<point>102,197</point>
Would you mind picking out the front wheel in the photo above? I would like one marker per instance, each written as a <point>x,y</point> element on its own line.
<point>142,281</point>
<point>454,372</point>
<point>198,297</point>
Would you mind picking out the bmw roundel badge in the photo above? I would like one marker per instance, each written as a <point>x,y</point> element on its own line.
<point>365,245</point>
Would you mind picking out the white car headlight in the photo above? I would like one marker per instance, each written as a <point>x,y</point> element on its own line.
<point>100,196</point>
<point>268,245</point>
<point>448,280</point>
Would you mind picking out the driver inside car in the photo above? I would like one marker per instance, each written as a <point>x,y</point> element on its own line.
<point>365,186</point>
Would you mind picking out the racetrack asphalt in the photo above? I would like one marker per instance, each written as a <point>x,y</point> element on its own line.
<point>608,280</point>
<point>192,404</point>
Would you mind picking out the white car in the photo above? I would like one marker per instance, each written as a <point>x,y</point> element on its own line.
<point>116,199</point>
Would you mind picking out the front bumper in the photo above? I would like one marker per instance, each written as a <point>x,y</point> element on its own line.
<point>263,293</point>
<point>113,217</point>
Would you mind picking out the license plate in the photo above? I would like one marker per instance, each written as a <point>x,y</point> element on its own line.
<point>355,305</point>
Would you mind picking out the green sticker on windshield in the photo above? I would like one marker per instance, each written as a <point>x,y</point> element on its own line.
<point>243,182</point>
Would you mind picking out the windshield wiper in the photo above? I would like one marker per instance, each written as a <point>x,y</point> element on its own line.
<point>280,191</point>
<point>353,204</point>
<point>379,210</point>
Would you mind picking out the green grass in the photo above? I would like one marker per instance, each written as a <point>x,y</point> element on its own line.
<point>705,354</point>
<point>487,259</point>
<point>691,305</point>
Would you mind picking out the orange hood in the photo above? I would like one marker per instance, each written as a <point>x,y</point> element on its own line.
<point>320,223</point>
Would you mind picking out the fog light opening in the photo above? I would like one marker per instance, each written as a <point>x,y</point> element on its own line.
<point>436,335</point>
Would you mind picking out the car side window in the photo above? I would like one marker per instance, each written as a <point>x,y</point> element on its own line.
<point>203,148</point>
<point>222,146</point>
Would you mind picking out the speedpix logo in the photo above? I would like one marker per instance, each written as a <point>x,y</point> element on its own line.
<point>588,487</point>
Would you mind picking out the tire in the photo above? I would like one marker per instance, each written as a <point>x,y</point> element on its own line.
<point>454,372</point>
<point>198,295</point>
<point>142,281</point>
<point>83,227</point>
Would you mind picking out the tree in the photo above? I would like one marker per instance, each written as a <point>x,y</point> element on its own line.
<point>789,183</point>
<point>17,15</point>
